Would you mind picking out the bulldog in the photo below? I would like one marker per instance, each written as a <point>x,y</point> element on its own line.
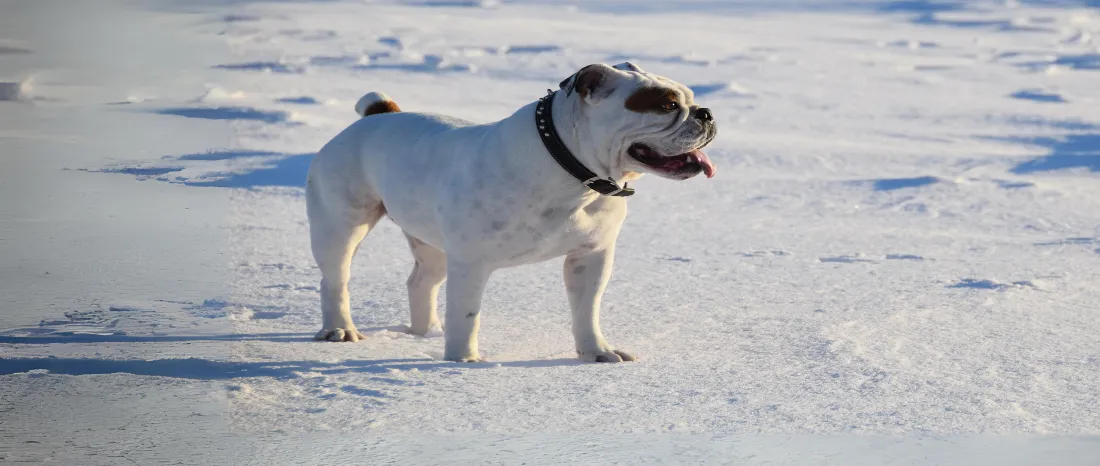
<point>546,182</point>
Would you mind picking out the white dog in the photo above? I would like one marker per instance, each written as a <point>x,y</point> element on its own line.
<point>546,182</point>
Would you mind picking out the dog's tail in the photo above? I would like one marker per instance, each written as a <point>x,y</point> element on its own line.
<point>375,103</point>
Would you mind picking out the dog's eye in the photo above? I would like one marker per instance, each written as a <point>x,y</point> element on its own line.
<point>670,106</point>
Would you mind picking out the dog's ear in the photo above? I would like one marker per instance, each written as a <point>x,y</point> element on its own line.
<point>627,66</point>
<point>592,82</point>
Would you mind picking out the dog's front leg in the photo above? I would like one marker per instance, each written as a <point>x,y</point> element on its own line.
<point>586,276</point>
<point>465,285</point>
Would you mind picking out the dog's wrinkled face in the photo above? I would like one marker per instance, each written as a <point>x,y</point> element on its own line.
<point>644,122</point>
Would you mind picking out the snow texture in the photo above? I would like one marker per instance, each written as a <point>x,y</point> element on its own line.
<point>896,264</point>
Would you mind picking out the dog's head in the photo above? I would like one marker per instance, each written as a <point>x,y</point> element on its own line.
<point>642,122</point>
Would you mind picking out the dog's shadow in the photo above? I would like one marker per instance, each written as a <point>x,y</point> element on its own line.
<point>208,369</point>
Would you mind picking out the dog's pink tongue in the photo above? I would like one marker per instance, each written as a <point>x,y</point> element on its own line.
<point>708,166</point>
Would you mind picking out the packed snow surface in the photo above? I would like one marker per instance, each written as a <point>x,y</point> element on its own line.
<point>897,261</point>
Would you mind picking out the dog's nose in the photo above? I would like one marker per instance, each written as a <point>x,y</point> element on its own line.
<point>703,113</point>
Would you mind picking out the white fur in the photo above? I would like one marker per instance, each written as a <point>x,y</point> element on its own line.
<point>476,198</point>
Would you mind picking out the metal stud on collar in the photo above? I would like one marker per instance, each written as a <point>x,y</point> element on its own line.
<point>557,149</point>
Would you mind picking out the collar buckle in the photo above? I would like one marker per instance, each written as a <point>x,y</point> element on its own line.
<point>608,187</point>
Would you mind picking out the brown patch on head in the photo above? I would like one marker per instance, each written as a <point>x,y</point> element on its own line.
<point>651,99</point>
<point>382,106</point>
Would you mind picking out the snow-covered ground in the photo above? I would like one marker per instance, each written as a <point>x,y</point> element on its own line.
<point>896,263</point>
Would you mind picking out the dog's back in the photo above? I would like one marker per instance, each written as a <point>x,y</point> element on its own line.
<point>387,154</point>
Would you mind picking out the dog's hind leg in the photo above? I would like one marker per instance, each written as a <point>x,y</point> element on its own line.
<point>336,227</point>
<point>428,274</point>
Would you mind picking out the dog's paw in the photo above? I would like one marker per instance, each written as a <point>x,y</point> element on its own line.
<point>434,329</point>
<point>607,356</point>
<point>339,334</point>
<point>467,358</point>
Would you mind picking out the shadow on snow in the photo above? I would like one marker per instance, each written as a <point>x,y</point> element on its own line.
<point>1071,151</point>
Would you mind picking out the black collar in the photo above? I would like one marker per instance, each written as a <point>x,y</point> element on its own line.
<point>545,123</point>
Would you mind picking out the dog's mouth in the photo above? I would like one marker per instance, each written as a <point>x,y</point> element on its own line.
<point>691,162</point>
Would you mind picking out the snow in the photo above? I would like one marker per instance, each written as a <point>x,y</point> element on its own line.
<point>895,264</point>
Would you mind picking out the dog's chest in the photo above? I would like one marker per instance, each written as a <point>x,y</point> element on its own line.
<point>515,231</point>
